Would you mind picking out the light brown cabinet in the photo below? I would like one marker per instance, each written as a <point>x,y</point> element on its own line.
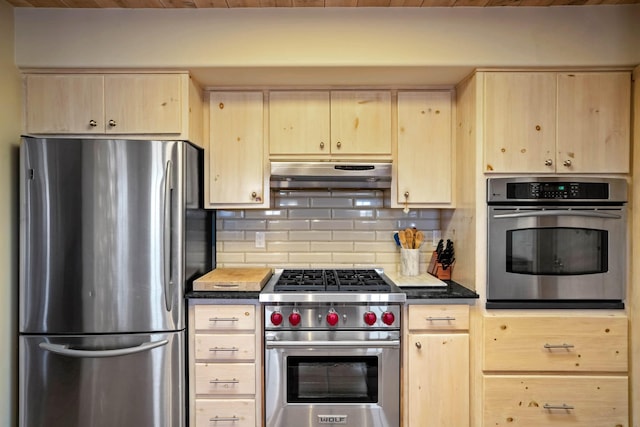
<point>224,364</point>
<point>424,167</point>
<point>330,123</point>
<point>167,105</point>
<point>236,173</point>
<point>557,122</point>
<point>556,370</point>
<point>538,400</point>
<point>436,366</point>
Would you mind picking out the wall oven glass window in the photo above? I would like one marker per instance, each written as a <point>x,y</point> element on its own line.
<point>556,242</point>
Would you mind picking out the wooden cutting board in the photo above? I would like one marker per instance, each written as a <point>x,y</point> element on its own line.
<point>233,279</point>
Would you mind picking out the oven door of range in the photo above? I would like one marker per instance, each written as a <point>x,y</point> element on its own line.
<point>330,378</point>
<point>556,253</point>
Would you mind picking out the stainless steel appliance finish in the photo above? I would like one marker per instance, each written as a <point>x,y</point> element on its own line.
<point>332,348</point>
<point>304,293</point>
<point>337,175</point>
<point>102,381</point>
<point>107,246</point>
<point>556,242</point>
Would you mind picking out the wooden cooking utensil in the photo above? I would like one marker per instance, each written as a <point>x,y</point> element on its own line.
<point>419,239</point>
<point>403,239</point>
<point>410,236</point>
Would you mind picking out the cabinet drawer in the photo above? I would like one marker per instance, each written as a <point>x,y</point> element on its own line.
<point>555,344</point>
<point>536,401</point>
<point>225,378</point>
<point>225,347</point>
<point>438,317</point>
<point>225,317</point>
<point>225,413</point>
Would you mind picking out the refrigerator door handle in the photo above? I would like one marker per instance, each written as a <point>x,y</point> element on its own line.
<point>64,349</point>
<point>167,240</point>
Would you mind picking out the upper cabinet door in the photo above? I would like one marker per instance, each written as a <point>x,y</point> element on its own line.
<point>594,122</point>
<point>425,148</point>
<point>520,122</point>
<point>236,150</point>
<point>143,103</point>
<point>65,104</point>
<point>299,122</point>
<point>360,122</point>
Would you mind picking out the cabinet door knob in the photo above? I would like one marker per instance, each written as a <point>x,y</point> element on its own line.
<point>418,344</point>
<point>338,144</point>
<point>322,145</point>
<point>93,123</point>
<point>112,123</point>
<point>254,195</point>
<point>548,162</point>
<point>406,194</point>
<point>566,163</point>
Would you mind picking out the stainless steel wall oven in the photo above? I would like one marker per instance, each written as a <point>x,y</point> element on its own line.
<point>556,242</point>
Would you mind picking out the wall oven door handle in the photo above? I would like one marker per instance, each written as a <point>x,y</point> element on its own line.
<point>64,350</point>
<point>337,344</point>
<point>589,214</point>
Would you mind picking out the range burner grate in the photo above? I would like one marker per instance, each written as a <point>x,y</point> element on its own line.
<point>353,280</point>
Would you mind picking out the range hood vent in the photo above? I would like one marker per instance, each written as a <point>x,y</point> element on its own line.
<point>330,175</point>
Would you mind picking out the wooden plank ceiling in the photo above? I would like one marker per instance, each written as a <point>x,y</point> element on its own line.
<point>194,4</point>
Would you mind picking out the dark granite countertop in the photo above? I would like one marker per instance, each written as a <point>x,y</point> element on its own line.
<point>453,290</point>
<point>222,295</point>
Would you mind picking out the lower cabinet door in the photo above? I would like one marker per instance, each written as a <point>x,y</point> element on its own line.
<point>225,413</point>
<point>438,380</point>
<point>544,400</point>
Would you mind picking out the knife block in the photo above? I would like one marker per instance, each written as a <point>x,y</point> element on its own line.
<point>435,268</point>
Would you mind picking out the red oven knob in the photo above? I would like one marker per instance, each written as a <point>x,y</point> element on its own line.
<point>294,318</point>
<point>370,318</point>
<point>388,318</point>
<point>276,318</point>
<point>332,318</point>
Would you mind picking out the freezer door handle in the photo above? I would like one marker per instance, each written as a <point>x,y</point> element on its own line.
<point>64,350</point>
<point>167,241</point>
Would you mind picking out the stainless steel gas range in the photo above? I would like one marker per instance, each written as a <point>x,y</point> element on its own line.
<point>332,348</point>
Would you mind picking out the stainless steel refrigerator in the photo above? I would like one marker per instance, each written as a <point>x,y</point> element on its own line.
<point>111,231</point>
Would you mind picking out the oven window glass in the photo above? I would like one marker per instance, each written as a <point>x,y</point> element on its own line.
<point>557,251</point>
<point>327,379</point>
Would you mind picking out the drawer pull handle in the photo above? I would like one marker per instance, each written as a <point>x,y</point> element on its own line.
<point>563,406</point>
<point>223,319</point>
<point>552,346</point>
<point>217,381</point>
<point>444,318</point>
<point>223,419</point>
<point>224,349</point>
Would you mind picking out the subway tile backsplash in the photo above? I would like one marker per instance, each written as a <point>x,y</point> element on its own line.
<point>320,229</point>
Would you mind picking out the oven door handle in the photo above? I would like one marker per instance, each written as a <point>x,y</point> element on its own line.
<point>337,344</point>
<point>589,214</point>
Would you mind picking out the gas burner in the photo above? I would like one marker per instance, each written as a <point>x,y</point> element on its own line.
<point>331,281</point>
<point>331,285</point>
